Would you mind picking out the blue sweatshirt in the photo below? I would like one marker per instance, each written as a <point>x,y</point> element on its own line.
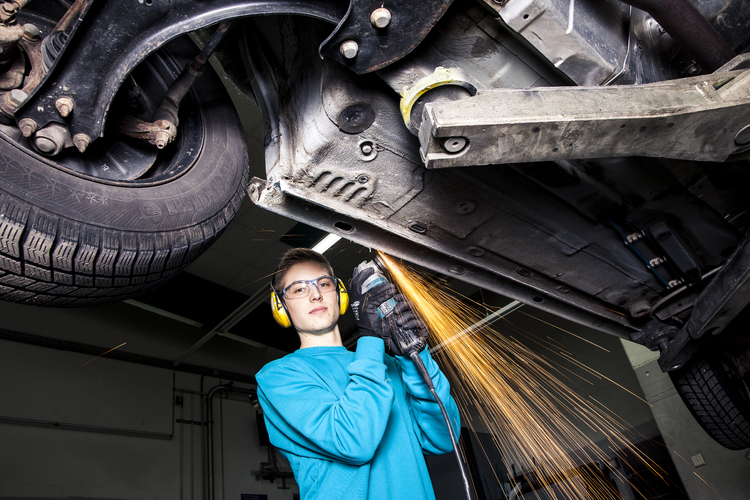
<point>355,425</point>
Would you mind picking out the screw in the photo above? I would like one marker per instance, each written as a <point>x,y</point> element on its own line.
<point>454,144</point>
<point>366,149</point>
<point>15,97</point>
<point>81,141</point>
<point>380,18</point>
<point>31,32</point>
<point>64,106</point>
<point>349,49</point>
<point>28,126</point>
<point>362,179</point>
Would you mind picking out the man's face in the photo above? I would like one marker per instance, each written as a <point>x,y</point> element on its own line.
<point>318,312</point>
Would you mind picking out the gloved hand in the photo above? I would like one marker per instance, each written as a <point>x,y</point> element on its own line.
<point>407,332</point>
<point>365,303</point>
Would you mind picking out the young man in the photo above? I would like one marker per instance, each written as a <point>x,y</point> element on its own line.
<point>354,425</point>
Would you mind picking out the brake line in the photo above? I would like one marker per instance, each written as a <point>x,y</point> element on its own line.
<point>629,244</point>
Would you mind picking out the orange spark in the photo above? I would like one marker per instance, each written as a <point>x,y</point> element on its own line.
<point>102,354</point>
<point>534,419</point>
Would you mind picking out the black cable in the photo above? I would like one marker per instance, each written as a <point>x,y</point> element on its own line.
<point>410,345</point>
<point>431,386</point>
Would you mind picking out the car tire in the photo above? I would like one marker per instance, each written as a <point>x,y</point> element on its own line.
<point>717,398</point>
<point>68,239</point>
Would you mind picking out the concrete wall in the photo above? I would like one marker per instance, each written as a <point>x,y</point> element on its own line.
<point>125,412</point>
<point>726,474</point>
<point>159,454</point>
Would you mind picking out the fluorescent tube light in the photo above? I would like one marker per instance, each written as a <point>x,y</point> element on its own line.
<point>326,243</point>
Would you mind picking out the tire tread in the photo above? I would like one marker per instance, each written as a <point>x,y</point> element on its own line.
<point>709,396</point>
<point>50,260</point>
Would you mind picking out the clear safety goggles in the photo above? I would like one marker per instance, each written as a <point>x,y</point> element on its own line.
<point>301,289</point>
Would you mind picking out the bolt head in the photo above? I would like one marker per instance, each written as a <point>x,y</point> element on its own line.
<point>454,144</point>
<point>45,145</point>
<point>81,142</point>
<point>349,49</point>
<point>16,97</point>
<point>31,32</point>
<point>380,18</point>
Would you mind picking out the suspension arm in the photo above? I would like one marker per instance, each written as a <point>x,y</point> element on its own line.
<point>703,118</point>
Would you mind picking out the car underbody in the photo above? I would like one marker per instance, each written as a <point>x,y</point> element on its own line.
<point>587,158</point>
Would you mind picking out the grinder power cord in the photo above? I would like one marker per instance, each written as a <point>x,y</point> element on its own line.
<point>381,311</point>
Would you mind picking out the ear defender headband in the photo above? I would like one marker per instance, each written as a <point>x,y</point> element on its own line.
<point>281,315</point>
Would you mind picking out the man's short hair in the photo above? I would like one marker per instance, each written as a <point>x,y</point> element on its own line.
<point>297,256</point>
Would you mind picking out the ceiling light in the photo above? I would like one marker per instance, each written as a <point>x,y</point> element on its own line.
<point>326,243</point>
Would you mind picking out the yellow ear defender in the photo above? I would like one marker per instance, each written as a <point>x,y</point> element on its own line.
<point>281,315</point>
<point>278,309</point>
<point>343,297</point>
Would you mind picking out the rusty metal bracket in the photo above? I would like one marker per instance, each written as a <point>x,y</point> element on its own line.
<point>108,39</point>
<point>373,35</point>
<point>701,118</point>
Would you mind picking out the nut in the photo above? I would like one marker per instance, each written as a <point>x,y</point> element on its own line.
<point>28,126</point>
<point>64,106</point>
<point>380,18</point>
<point>81,142</point>
<point>15,97</point>
<point>31,32</point>
<point>161,139</point>
<point>349,49</point>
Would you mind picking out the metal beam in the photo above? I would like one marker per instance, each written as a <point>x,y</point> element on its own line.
<point>702,118</point>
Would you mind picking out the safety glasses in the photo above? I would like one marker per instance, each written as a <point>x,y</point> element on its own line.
<point>301,289</point>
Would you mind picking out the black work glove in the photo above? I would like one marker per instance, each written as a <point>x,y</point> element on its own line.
<point>407,331</point>
<point>365,303</point>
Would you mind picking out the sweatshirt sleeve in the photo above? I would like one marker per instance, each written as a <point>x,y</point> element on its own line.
<point>307,418</point>
<point>427,418</point>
